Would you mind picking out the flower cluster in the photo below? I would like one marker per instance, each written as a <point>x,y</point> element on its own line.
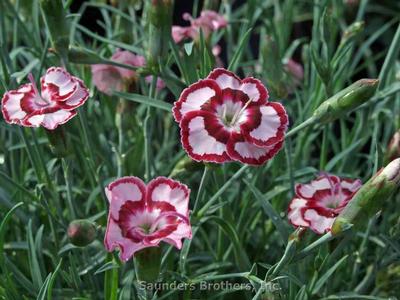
<point>109,78</point>
<point>54,105</point>
<point>142,216</point>
<point>224,118</point>
<point>209,21</point>
<point>319,202</point>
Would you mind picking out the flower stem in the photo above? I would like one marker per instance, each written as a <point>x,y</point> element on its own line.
<point>310,121</point>
<point>221,190</point>
<point>203,181</point>
<point>146,135</point>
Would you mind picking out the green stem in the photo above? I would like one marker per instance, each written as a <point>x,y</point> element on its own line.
<point>66,167</point>
<point>324,148</point>
<point>288,152</point>
<point>310,121</point>
<point>221,190</point>
<point>390,60</point>
<point>111,281</point>
<point>203,181</point>
<point>146,135</point>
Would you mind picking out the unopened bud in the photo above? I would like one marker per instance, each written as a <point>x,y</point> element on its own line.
<point>370,197</point>
<point>353,31</point>
<point>393,150</point>
<point>346,100</point>
<point>273,67</point>
<point>186,164</point>
<point>81,232</point>
<point>159,24</point>
<point>57,24</point>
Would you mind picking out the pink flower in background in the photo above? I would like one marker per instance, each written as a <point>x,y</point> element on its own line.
<point>216,51</point>
<point>54,105</point>
<point>209,21</point>
<point>160,84</point>
<point>180,33</point>
<point>108,78</point>
<point>142,216</point>
<point>295,70</point>
<point>319,202</point>
<point>224,118</point>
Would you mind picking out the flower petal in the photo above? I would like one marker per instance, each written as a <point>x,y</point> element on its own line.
<point>203,138</point>
<point>57,84</point>
<point>193,97</point>
<point>295,213</point>
<point>266,124</point>
<point>107,79</point>
<point>77,98</point>
<point>255,89</point>
<point>225,79</point>
<point>239,149</point>
<point>318,223</point>
<point>321,184</point>
<point>175,238</point>
<point>351,185</point>
<point>171,191</point>
<point>49,118</point>
<point>122,190</point>
<point>113,239</point>
<point>11,103</point>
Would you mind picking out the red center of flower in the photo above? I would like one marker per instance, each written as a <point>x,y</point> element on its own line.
<point>230,109</point>
<point>145,222</point>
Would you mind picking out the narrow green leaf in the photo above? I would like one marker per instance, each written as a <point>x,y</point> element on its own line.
<point>239,51</point>
<point>270,212</point>
<point>145,100</point>
<point>324,278</point>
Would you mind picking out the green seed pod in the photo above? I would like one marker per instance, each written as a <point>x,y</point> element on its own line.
<point>147,264</point>
<point>81,232</point>
<point>369,199</point>
<point>346,100</point>
<point>57,24</point>
<point>159,24</point>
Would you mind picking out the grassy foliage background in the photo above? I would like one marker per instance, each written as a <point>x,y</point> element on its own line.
<point>239,213</point>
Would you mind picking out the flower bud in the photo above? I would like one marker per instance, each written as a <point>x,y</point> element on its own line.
<point>186,164</point>
<point>147,264</point>
<point>159,24</point>
<point>352,31</point>
<point>393,150</point>
<point>346,100</point>
<point>81,232</point>
<point>57,24</point>
<point>273,67</point>
<point>369,199</point>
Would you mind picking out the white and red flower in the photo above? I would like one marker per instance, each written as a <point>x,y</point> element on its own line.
<point>208,21</point>
<point>319,202</point>
<point>56,103</point>
<point>224,118</point>
<point>109,78</point>
<point>142,216</point>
